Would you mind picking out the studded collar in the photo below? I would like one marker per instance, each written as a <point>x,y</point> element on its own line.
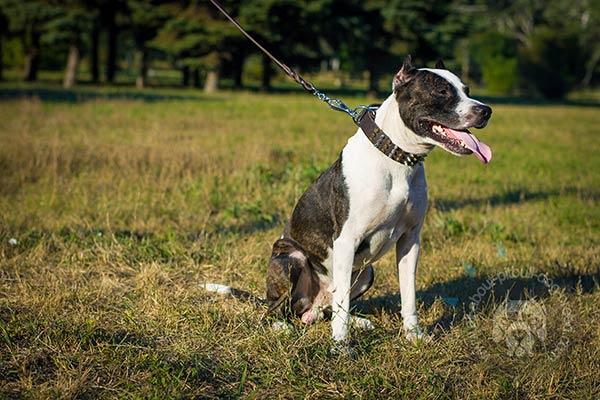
<point>383,143</point>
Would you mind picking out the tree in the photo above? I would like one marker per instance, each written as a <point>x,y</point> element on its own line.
<point>579,19</point>
<point>109,13</point>
<point>290,29</point>
<point>69,27</point>
<point>590,23</point>
<point>145,18</point>
<point>3,31</point>
<point>558,42</point>
<point>95,49</point>
<point>371,34</point>
<point>95,12</point>
<point>26,18</point>
<point>197,38</point>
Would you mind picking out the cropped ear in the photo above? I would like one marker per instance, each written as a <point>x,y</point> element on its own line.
<point>406,73</point>
<point>440,65</point>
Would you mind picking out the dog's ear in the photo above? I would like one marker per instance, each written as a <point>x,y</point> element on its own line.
<point>406,73</point>
<point>440,65</point>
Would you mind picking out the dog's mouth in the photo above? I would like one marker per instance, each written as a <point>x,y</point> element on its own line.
<point>457,141</point>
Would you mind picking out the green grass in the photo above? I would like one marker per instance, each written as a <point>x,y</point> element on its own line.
<point>121,207</point>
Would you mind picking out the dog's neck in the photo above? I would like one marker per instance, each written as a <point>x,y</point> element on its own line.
<point>388,118</point>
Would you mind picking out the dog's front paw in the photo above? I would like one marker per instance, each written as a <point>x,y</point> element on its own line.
<point>341,348</point>
<point>416,335</point>
<point>362,324</point>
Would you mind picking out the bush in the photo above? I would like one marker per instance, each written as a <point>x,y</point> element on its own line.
<point>549,67</point>
<point>499,75</point>
<point>495,61</point>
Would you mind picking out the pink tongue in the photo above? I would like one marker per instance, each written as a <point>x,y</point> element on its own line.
<point>481,150</point>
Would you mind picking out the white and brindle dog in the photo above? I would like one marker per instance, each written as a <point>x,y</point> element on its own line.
<point>367,203</point>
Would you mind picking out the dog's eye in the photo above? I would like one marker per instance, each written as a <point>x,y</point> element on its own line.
<point>441,92</point>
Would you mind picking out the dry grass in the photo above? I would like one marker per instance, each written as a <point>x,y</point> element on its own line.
<point>120,208</point>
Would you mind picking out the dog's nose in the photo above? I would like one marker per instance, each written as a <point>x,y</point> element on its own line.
<point>482,111</point>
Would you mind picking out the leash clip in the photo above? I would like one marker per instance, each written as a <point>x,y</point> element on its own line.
<point>359,112</point>
<point>339,105</point>
<point>334,104</point>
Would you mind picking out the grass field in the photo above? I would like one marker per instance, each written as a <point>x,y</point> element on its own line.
<point>113,211</point>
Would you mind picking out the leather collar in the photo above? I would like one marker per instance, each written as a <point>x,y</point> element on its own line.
<point>383,143</point>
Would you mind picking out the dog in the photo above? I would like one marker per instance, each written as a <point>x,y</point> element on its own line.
<point>366,203</point>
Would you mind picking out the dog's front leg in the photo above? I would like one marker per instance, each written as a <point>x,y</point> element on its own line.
<point>407,256</point>
<point>343,257</point>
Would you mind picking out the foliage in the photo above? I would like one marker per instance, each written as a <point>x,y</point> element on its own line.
<point>551,65</point>
<point>360,36</point>
<point>495,56</point>
<point>146,17</point>
<point>193,33</point>
<point>26,16</point>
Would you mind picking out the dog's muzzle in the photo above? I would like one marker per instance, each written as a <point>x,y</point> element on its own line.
<point>479,115</point>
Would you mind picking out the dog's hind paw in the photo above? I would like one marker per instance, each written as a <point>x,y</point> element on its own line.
<point>362,324</point>
<point>282,327</point>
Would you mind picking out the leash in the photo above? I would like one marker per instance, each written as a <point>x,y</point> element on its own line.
<point>363,116</point>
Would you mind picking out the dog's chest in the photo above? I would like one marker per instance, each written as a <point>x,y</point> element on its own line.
<point>386,200</point>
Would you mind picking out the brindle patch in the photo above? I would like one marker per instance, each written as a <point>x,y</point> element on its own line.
<point>290,277</point>
<point>426,94</point>
<point>320,214</point>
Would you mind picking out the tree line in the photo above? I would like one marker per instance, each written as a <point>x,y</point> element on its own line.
<point>532,47</point>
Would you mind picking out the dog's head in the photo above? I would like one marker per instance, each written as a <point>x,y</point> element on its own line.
<point>435,105</point>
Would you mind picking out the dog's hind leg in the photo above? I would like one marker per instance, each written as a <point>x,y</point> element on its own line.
<point>292,285</point>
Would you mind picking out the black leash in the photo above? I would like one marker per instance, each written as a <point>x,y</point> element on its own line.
<point>363,116</point>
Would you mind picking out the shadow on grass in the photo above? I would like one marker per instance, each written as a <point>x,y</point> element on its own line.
<point>59,95</point>
<point>514,197</point>
<point>462,294</point>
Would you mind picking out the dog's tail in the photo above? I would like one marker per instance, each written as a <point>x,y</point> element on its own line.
<point>225,290</point>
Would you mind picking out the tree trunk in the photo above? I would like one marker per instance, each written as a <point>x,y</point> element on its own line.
<point>373,83</point>
<point>324,66</point>
<point>1,59</point>
<point>94,59</point>
<point>196,77</point>
<point>590,68</point>
<point>31,60</point>
<point>142,77</point>
<point>72,66</point>
<point>185,76</point>
<point>466,60</point>
<point>238,69</point>
<point>267,74</point>
<point>211,84</point>
<point>238,82</point>
<point>111,62</point>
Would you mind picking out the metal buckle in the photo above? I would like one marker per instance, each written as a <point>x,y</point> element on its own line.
<point>359,113</point>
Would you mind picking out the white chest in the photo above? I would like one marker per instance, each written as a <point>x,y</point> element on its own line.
<point>386,199</point>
